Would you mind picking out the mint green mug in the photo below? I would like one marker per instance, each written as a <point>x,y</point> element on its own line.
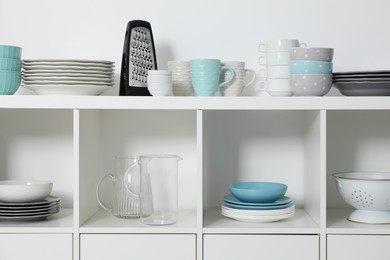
<point>205,76</point>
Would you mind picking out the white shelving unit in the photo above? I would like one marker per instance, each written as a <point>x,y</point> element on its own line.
<point>299,141</point>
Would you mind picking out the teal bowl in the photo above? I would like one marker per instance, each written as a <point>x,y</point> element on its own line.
<point>9,81</point>
<point>258,192</point>
<point>13,52</point>
<point>10,64</point>
<point>310,67</point>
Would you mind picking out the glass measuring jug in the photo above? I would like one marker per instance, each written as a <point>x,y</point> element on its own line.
<point>159,189</point>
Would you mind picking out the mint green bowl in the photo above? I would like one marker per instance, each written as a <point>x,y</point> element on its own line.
<point>13,52</point>
<point>10,64</point>
<point>9,81</point>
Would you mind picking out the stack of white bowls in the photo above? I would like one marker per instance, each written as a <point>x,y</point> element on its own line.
<point>311,71</point>
<point>159,82</point>
<point>275,60</point>
<point>181,78</point>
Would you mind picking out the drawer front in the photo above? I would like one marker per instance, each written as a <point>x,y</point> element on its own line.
<point>358,247</point>
<point>140,247</point>
<point>254,247</point>
<point>36,246</point>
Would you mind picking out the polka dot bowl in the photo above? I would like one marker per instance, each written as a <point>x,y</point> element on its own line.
<point>310,84</point>
<point>368,193</point>
<point>311,54</point>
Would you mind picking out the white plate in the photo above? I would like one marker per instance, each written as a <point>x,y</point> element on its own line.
<point>363,88</point>
<point>82,90</point>
<point>31,207</point>
<point>67,64</point>
<point>68,61</point>
<point>259,220</point>
<point>48,200</point>
<point>73,82</point>
<point>28,210</point>
<point>258,212</point>
<point>19,214</point>
<point>66,75</point>
<point>66,68</point>
<point>63,72</point>
<point>27,218</point>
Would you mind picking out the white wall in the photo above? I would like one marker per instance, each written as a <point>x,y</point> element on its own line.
<point>229,30</point>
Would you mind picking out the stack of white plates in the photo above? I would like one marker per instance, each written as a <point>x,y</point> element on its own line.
<point>257,212</point>
<point>29,211</point>
<point>67,77</point>
<point>363,83</point>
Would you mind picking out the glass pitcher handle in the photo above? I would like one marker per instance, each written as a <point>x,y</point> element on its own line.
<point>126,183</point>
<point>98,189</point>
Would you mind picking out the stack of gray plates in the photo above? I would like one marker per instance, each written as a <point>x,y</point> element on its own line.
<point>363,83</point>
<point>67,77</point>
<point>29,211</point>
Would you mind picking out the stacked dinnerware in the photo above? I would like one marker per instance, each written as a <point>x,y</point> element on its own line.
<point>363,83</point>
<point>10,69</point>
<point>258,202</point>
<point>159,82</point>
<point>68,77</point>
<point>181,78</point>
<point>311,71</point>
<point>27,200</point>
<point>275,59</point>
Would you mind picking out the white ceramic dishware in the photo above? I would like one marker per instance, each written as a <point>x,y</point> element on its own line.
<point>275,58</point>
<point>24,190</point>
<point>280,45</point>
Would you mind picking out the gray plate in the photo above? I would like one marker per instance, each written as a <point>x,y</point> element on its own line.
<point>364,88</point>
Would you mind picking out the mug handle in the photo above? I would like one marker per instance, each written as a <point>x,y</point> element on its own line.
<point>252,79</point>
<point>263,73</point>
<point>262,60</point>
<point>302,44</point>
<point>232,74</point>
<point>104,206</point>
<point>126,177</point>
<point>262,47</point>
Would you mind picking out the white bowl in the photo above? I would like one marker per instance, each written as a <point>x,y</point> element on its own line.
<point>368,192</point>
<point>24,190</point>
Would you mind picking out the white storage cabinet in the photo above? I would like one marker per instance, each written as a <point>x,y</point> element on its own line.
<point>299,141</point>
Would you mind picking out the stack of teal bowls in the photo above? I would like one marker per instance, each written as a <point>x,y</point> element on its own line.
<point>10,69</point>
<point>311,71</point>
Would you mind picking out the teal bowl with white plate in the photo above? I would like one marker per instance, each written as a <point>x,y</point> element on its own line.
<point>310,67</point>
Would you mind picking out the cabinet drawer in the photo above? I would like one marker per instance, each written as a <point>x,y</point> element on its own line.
<point>36,246</point>
<point>358,247</point>
<point>254,247</point>
<point>140,247</point>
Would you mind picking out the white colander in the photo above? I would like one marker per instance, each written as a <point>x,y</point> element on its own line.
<point>368,192</point>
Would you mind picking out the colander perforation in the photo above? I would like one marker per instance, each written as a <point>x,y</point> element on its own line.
<point>362,199</point>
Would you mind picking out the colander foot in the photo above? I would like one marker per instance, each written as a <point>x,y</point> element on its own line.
<point>370,216</point>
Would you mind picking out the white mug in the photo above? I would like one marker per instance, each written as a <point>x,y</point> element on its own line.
<point>274,72</point>
<point>278,87</point>
<point>236,86</point>
<point>275,58</point>
<point>280,45</point>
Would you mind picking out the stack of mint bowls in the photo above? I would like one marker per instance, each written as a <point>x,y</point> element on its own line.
<point>10,69</point>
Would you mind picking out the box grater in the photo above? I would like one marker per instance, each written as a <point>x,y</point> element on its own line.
<point>139,56</point>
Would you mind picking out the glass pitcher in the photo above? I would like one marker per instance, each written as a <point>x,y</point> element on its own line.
<point>159,189</point>
<point>124,204</point>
